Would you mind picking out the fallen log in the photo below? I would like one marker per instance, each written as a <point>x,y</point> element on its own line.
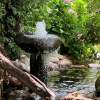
<point>27,79</point>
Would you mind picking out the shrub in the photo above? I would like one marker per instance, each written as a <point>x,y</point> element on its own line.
<point>69,21</point>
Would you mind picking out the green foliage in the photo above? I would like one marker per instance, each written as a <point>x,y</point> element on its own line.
<point>12,50</point>
<point>12,14</point>
<point>1,14</point>
<point>77,23</point>
<point>69,21</point>
<point>1,39</point>
<point>30,12</point>
<point>87,52</point>
<point>94,23</point>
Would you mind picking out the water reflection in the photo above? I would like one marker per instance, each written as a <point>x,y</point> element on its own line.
<point>74,79</point>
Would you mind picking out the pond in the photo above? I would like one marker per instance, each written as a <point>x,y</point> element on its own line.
<point>74,79</point>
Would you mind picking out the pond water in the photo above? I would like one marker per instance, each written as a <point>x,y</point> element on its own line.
<point>74,79</point>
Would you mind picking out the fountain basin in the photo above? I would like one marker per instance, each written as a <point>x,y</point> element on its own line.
<point>35,43</point>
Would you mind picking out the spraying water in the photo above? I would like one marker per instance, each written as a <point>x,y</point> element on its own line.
<point>41,29</point>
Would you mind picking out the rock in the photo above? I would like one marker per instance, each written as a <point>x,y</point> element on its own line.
<point>14,82</point>
<point>58,62</point>
<point>64,62</point>
<point>53,59</point>
<point>94,65</point>
<point>60,57</point>
<point>97,86</point>
<point>97,55</point>
<point>78,66</point>
<point>97,98</point>
<point>53,73</point>
<point>75,96</point>
<point>52,66</point>
<point>24,62</point>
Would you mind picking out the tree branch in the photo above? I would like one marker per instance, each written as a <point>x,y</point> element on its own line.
<point>27,79</point>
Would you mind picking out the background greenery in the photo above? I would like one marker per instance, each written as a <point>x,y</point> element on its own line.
<point>77,23</point>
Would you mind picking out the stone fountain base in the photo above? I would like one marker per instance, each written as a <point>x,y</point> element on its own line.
<point>55,62</point>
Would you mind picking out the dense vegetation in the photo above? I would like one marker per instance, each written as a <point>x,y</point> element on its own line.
<point>12,20</point>
<point>77,23</point>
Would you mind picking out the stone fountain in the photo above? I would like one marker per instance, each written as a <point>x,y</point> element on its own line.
<point>39,44</point>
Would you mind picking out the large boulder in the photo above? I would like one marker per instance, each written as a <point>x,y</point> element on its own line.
<point>92,65</point>
<point>23,63</point>
<point>58,62</point>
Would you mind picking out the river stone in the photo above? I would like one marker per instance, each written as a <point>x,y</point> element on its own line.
<point>52,66</point>
<point>64,62</point>
<point>94,65</point>
<point>24,62</point>
<point>60,57</point>
<point>53,59</point>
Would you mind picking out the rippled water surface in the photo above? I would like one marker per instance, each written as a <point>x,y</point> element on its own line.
<point>74,79</point>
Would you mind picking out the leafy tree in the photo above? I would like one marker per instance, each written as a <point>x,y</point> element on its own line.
<point>94,23</point>
<point>69,21</point>
<point>77,23</point>
<point>12,16</point>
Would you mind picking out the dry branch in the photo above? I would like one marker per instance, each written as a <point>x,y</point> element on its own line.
<point>27,79</point>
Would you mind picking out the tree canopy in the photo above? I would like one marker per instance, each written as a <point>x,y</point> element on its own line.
<point>75,21</point>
